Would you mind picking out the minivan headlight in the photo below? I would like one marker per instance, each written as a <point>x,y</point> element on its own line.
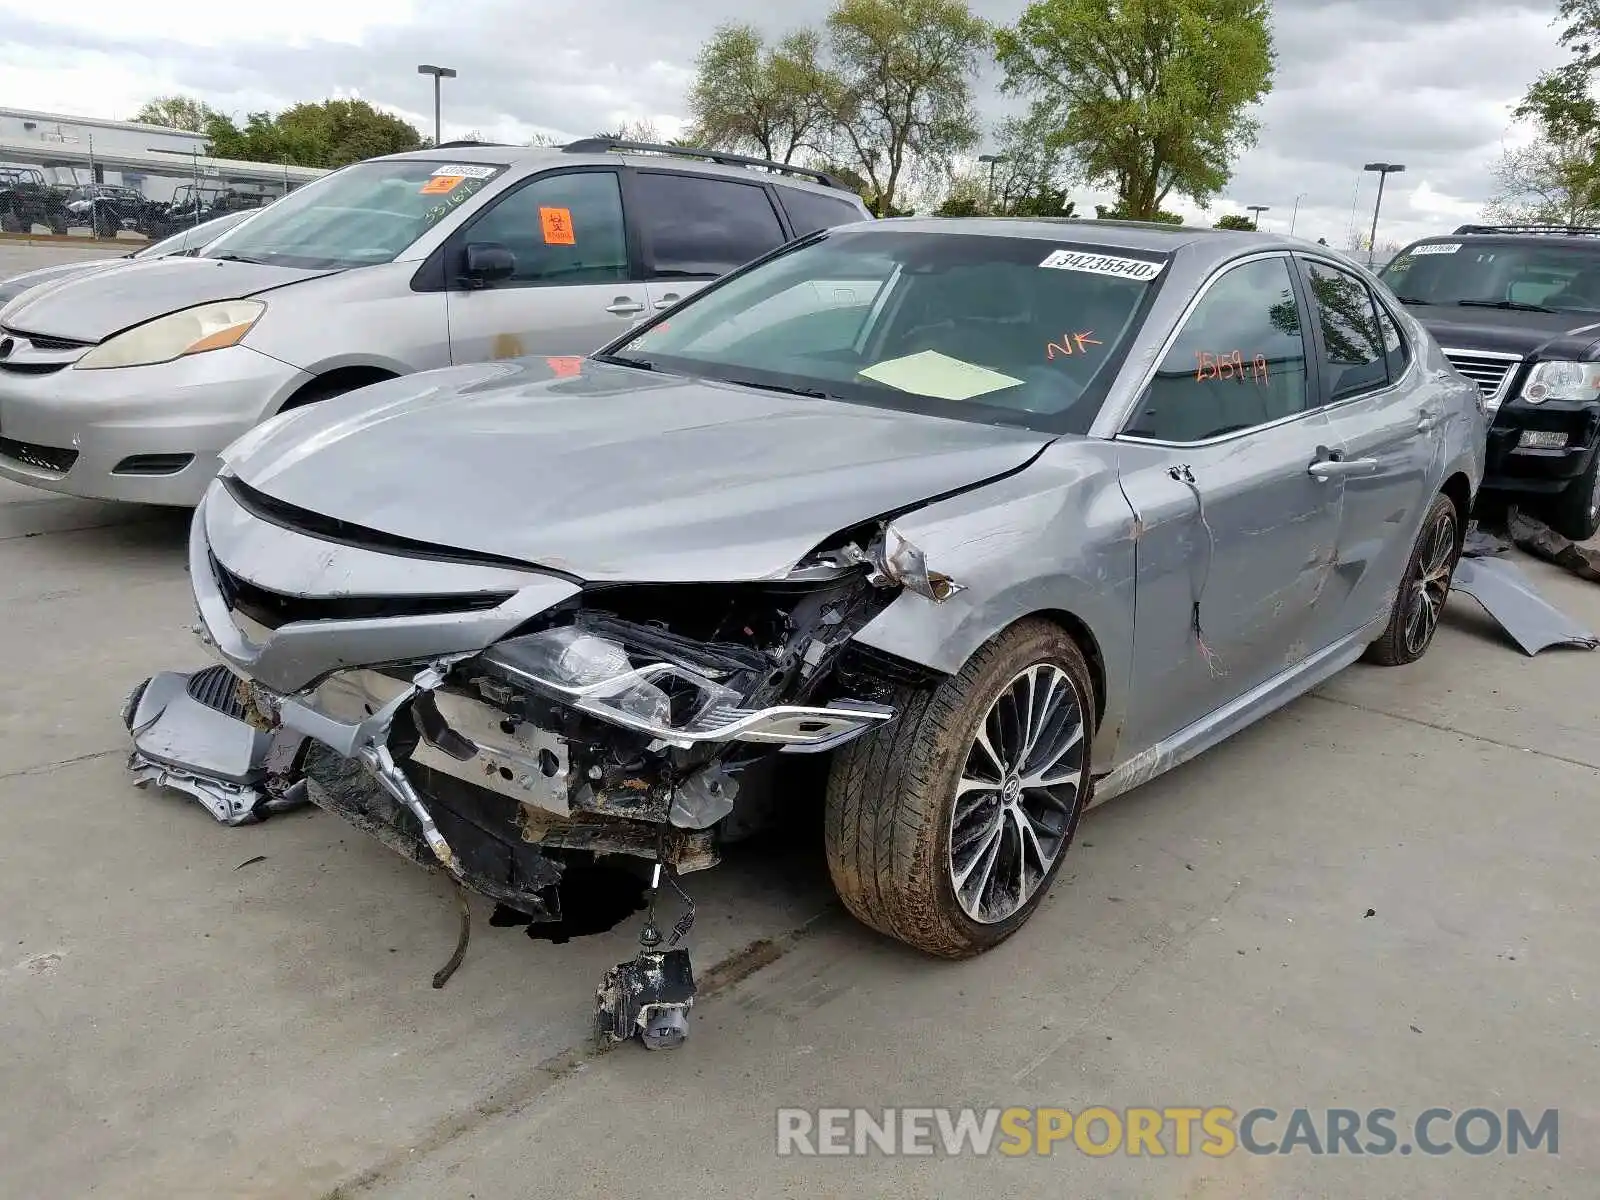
<point>192,331</point>
<point>1562,381</point>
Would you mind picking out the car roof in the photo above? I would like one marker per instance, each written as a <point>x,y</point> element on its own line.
<point>534,158</point>
<point>1573,236</point>
<point>1198,243</point>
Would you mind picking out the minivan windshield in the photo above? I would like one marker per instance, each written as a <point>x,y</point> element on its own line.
<point>364,214</point>
<point>1478,272</point>
<point>194,238</point>
<point>1007,330</point>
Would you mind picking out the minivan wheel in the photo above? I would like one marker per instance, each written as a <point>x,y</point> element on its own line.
<point>1424,588</point>
<point>1575,512</point>
<point>945,828</point>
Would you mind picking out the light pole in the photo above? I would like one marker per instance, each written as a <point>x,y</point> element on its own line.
<point>1257,209</point>
<point>1294,216</point>
<point>438,73</point>
<point>991,159</point>
<point>1383,169</point>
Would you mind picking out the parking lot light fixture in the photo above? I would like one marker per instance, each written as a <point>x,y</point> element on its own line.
<point>438,73</point>
<point>1383,170</point>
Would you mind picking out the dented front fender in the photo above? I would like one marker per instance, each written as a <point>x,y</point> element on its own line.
<point>1056,538</point>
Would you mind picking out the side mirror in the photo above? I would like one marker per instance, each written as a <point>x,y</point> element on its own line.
<point>487,262</point>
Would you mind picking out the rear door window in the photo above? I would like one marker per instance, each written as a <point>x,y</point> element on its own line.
<point>698,227</point>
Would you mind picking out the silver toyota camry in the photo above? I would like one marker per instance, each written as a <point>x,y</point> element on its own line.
<point>999,516</point>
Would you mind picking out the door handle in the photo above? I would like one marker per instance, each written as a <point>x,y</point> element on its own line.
<point>1329,466</point>
<point>668,300</point>
<point>624,306</point>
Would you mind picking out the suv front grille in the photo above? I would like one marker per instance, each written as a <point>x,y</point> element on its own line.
<point>1491,372</point>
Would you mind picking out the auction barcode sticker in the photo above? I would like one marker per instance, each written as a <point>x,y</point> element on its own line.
<point>1103,264</point>
<point>465,171</point>
<point>1434,248</point>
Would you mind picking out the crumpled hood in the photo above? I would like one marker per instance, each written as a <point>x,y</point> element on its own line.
<point>1508,331</point>
<point>615,474</point>
<point>92,307</point>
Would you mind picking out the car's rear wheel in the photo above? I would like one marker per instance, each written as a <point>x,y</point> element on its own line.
<point>946,828</point>
<point>1424,588</point>
<point>1575,512</point>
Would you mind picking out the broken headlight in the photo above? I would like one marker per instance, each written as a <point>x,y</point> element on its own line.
<point>667,688</point>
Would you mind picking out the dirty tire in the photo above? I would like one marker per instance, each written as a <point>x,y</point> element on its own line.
<point>1395,648</point>
<point>11,223</point>
<point>891,797</point>
<point>1575,512</point>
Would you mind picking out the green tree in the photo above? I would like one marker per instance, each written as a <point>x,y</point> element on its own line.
<point>175,112</point>
<point>1030,178</point>
<point>904,70</point>
<point>1150,97</point>
<point>1116,212</point>
<point>1234,221</point>
<point>330,134</point>
<point>1555,177</point>
<point>775,101</point>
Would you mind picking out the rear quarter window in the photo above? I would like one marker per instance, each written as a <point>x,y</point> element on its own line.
<point>809,212</point>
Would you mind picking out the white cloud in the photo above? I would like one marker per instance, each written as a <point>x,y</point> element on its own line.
<point>1426,82</point>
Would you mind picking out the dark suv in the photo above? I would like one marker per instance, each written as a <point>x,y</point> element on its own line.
<point>1516,309</point>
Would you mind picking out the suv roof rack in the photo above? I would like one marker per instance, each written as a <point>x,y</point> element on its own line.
<point>598,145</point>
<point>1557,230</point>
<point>465,142</point>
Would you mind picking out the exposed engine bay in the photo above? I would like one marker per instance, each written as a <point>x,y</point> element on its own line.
<point>641,722</point>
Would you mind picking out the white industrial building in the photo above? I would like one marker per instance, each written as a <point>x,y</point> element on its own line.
<point>154,159</point>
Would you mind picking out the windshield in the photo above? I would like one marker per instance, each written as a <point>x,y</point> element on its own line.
<point>194,238</point>
<point>1011,330</point>
<point>1556,278</point>
<point>365,214</point>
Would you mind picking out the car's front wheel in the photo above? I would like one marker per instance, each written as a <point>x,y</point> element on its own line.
<point>1423,589</point>
<point>945,828</point>
<point>1575,513</point>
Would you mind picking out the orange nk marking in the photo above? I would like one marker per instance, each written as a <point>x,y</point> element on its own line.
<point>1082,342</point>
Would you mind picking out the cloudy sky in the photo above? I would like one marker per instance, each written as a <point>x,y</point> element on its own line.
<point>1425,82</point>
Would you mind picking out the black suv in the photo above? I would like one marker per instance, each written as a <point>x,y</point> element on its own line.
<point>1516,309</point>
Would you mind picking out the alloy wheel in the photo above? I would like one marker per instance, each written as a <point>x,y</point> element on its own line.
<point>1432,585</point>
<point>1018,793</point>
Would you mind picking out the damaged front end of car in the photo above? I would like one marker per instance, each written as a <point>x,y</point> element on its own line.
<point>503,722</point>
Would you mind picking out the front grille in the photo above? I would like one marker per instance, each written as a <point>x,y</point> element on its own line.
<point>331,529</point>
<point>37,354</point>
<point>218,688</point>
<point>1491,372</point>
<point>40,458</point>
<point>273,610</point>
<point>43,342</point>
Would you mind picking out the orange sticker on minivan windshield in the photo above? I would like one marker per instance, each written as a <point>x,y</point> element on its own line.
<point>438,185</point>
<point>557,223</point>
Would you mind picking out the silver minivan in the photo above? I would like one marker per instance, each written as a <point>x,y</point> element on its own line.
<point>125,383</point>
